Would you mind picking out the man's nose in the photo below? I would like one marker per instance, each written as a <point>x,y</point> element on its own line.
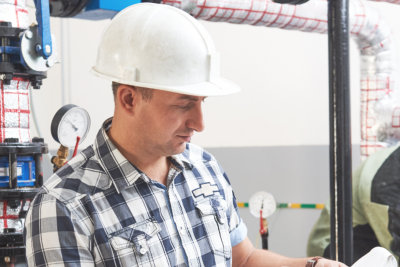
<point>195,121</point>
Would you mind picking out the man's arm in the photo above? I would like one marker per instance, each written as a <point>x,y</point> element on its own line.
<point>245,254</point>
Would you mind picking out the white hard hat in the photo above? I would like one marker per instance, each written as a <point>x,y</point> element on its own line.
<point>161,47</point>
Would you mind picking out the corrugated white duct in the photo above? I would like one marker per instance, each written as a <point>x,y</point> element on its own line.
<point>380,116</point>
<point>14,98</point>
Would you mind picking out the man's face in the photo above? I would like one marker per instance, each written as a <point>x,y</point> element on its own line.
<point>168,121</point>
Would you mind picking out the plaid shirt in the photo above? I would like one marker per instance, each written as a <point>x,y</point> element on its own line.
<point>100,210</point>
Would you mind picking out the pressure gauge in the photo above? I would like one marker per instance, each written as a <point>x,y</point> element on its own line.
<point>69,123</point>
<point>262,201</point>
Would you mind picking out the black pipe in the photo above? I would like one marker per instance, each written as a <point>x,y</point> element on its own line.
<point>66,8</point>
<point>13,170</point>
<point>264,240</point>
<point>340,138</point>
<point>291,2</point>
<point>38,163</point>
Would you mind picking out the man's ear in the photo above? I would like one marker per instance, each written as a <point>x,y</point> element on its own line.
<point>127,96</point>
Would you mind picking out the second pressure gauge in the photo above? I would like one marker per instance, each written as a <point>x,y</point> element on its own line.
<point>69,123</point>
<point>263,201</point>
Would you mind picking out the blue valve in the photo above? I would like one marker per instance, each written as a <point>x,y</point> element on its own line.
<point>44,48</point>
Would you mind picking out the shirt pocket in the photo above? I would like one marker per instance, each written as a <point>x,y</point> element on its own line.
<point>213,215</point>
<point>134,242</point>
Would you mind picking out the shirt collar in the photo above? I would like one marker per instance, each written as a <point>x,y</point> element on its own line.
<point>182,160</point>
<point>122,173</point>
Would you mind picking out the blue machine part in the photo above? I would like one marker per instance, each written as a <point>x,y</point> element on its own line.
<point>104,9</point>
<point>25,171</point>
<point>45,48</point>
<point>110,4</point>
<point>10,50</point>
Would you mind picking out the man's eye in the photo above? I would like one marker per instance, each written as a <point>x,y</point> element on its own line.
<point>185,107</point>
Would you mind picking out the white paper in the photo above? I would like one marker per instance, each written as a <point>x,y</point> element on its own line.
<point>377,257</point>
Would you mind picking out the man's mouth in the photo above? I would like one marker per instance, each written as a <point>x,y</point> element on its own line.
<point>186,138</point>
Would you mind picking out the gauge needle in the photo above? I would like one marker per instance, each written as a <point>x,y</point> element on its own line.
<point>73,126</point>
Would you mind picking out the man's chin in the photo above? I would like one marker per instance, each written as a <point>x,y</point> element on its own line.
<point>180,148</point>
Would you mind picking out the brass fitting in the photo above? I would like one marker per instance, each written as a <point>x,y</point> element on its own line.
<point>61,158</point>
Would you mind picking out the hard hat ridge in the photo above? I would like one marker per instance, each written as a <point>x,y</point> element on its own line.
<point>161,47</point>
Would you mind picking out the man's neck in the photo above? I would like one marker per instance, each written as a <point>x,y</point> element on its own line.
<point>155,167</point>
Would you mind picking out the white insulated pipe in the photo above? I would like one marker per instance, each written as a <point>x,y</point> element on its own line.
<point>14,97</point>
<point>380,115</point>
<point>389,1</point>
<point>14,110</point>
<point>14,11</point>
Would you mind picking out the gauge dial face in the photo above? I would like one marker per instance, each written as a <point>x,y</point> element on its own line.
<point>70,122</point>
<point>262,201</point>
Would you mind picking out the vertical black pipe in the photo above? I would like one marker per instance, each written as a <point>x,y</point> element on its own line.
<point>340,138</point>
<point>13,170</point>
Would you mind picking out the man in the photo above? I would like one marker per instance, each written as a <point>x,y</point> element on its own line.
<point>376,208</point>
<point>142,194</point>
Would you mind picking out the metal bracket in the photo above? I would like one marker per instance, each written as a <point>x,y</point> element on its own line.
<point>30,55</point>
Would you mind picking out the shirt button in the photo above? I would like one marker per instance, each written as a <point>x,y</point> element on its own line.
<point>143,251</point>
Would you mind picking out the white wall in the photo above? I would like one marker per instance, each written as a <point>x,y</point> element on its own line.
<point>283,74</point>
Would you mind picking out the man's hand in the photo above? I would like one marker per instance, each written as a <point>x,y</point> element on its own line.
<point>329,263</point>
<point>245,255</point>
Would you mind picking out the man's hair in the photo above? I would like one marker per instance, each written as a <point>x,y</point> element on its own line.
<point>146,93</point>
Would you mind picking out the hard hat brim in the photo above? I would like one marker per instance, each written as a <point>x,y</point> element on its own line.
<point>217,87</point>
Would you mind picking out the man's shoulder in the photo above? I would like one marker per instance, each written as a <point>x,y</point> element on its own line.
<point>82,175</point>
<point>375,162</point>
<point>381,155</point>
